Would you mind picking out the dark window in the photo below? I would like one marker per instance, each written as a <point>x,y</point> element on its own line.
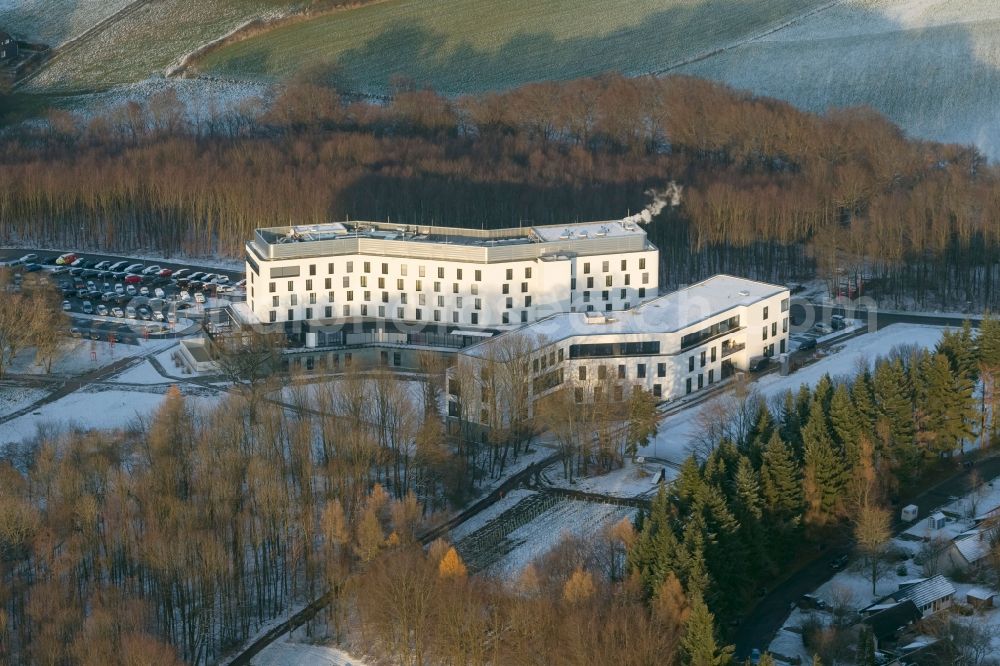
<point>510,273</point>
<point>782,345</point>
<point>692,339</point>
<point>505,289</point>
<point>690,363</point>
<point>640,371</point>
<point>701,380</point>
<point>441,272</point>
<point>711,376</point>
<point>586,267</point>
<point>524,287</point>
<point>661,369</point>
<point>602,372</point>
<point>368,267</point>
<point>312,269</point>
<point>765,313</point>
<point>479,275</point>
<point>642,263</point>
<point>703,359</point>
<point>329,268</point>
<point>291,315</point>
<point>621,372</point>
<point>605,349</point>
<point>582,373</point>
<point>272,287</point>
<point>764,333</point>
<point>642,292</point>
<point>774,328</point>
<point>527,271</point>
<point>619,393</point>
<point>713,354</point>
<point>328,311</point>
<point>524,316</point>
<point>578,394</point>
<point>688,385</point>
<point>657,391</point>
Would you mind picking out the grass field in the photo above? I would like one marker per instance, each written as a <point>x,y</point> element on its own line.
<point>145,42</point>
<point>932,66</point>
<point>52,22</point>
<point>462,46</point>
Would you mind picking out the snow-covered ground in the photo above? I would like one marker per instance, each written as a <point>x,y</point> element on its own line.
<point>143,373</point>
<point>13,397</point>
<point>932,66</point>
<point>53,22</point>
<point>288,652</point>
<point>85,410</point>
<point>537,537</point>
<point>631,480</point>
<point>678,431</point>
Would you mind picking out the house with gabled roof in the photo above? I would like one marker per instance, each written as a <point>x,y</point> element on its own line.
<point>929,595</point>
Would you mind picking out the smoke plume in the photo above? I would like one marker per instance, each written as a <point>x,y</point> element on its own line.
<point>668,196</point>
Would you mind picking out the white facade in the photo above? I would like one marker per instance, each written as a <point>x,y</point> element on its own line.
<point>671,346</point>
<point>454,277</point>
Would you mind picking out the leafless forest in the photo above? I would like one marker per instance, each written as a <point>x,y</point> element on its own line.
<point>769,191</point>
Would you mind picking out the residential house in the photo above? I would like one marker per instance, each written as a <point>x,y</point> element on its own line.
<point>930,595</point>
<point>889,620</point>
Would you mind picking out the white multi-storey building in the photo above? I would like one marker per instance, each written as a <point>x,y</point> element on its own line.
<point>671,346</point>
<point>418,275</point>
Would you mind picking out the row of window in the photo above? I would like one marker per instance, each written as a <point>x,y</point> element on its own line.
<point>608,281</point>
<point>617,393</point>
<point>364,311</point>
<point>403,269</point>
<point>606,265</point>
<point>640,371</point>
<point>774,327</point>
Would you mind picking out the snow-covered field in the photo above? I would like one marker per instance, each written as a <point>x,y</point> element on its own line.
<point>288,652</point>
<point>677,431</point>
<point>932,66</point>
<point>53,22</point>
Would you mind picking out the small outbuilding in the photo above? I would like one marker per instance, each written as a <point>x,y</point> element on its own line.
<point>980,597</point>
<point>8,46</point>
<point>909,513</point>
<point>936,521</point>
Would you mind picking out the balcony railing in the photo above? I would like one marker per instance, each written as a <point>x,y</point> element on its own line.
<point>728,350</point>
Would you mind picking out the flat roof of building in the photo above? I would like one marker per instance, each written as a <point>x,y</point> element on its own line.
<point>667,314</point>
<point>306,233</point>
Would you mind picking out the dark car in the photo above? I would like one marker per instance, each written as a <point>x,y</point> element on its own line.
<point>806,344</point>
<point>758,363</point>
<point>840,562</point>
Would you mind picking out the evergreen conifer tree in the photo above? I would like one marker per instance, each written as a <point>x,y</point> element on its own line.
<point>893,399</point>
<point>846,424</point>
<point>781,481</point>
<point>699,646</point>
<point>825,473</point>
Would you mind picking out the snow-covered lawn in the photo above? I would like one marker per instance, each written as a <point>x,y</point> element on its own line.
<point>143,373</point>
<point>288,652</point>
<point>53,22</point>
<point>13,398</point>
<point>677,431</point>
<point>91,410</point>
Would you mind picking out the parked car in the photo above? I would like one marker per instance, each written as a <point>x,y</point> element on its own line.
<point>75,332</point>
<point>144,291</point>
<point>134,268</point>
<point>102,310</point>
<point>158,315</point>
<point>151,270</point>
<point>180,273</point>
<point>117,311</point>
<point>758,363</point>
<point>196,275</point>
<point>27,259</point>
<point>130,312</point>
<point>78,263</point>
<point>185,296</point>
<point>67,305</point>
<point>165,272</point>
<point>133,279</point>
<point>65,259</point>
<point>120,288</point>
<point>87,307</point>
<point>159,293</point>
<point>117,266</point>
<point>199,297</point>
<point>823,328</point>
<point>806,344</point>
<point>838,323</point>
<point>130,290</point>
<point>172,316</point>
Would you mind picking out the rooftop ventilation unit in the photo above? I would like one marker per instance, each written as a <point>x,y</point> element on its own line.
<point>744,292</point>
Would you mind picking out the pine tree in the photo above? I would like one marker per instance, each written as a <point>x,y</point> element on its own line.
<point>725,553</point>
<point>863,397</point>
<point>823,393</point>
<point>825,474</point>
<point>689,483</point>
<point>699,646</point>
<point>781,481</point>
<point>946,406</point>
<point>893,398</point>
<point>656,552</point>
<point>748,509</point>
<point>760,433</point>
<point>846,424</point>
<point>791,425</point>
<point>961,349</point>
<point>989,368</point>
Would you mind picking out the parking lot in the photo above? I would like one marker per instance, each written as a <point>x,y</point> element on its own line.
<point>122,300</point>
